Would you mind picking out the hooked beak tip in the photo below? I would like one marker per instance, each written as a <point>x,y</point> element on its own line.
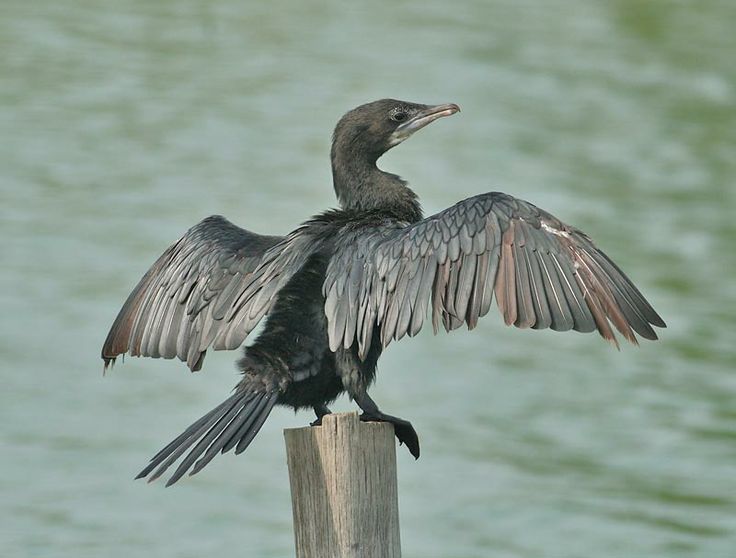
<point>438,111</point>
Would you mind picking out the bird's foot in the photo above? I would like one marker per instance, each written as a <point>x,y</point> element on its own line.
<point>320,412</point>
<point>403,429</point>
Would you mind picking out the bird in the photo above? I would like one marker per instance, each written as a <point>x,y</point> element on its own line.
<point>339,288</point>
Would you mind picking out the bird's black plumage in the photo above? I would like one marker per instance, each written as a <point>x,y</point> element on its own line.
<point>338,289</point>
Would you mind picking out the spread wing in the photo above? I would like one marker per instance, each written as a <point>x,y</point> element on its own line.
<point>211,288</point>
<point>544,274</point>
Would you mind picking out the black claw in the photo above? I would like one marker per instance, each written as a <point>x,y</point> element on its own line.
<point>407,435</point>
<point>403,430</point>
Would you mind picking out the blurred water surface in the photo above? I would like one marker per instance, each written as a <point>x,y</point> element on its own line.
<point>122,124</point>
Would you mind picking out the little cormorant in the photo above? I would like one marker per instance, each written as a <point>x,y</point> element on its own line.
<point>339,288</point>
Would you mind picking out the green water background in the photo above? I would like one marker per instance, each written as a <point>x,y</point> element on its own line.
<point>124,123</point>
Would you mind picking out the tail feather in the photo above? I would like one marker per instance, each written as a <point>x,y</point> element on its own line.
<point>177,442</point>
<point>237,432</point>
<point>247,437</point>
<point>236,421</point>
<point>205,440</point>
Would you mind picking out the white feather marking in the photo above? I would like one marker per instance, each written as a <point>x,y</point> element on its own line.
<point>557,232</point>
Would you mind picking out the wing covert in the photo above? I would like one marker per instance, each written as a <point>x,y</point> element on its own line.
<point>209,289</point>
<point>542,272</point>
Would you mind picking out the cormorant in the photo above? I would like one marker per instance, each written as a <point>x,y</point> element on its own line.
<point>339,288</point>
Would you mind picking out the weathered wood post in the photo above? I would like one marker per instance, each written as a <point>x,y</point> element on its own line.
<point>343,489</point>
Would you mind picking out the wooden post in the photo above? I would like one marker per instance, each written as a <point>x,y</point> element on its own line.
<point>343,488</point>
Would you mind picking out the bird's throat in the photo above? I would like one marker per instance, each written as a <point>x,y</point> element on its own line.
<point>361,186</point>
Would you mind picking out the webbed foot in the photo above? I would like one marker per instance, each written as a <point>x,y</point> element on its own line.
<point>403,429</point>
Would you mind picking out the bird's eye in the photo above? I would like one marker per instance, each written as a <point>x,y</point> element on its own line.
<point>399,116</point>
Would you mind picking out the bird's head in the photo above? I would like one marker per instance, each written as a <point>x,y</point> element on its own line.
<point>374,128</point>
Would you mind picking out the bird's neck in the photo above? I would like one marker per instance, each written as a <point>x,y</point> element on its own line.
<point>361,186</point>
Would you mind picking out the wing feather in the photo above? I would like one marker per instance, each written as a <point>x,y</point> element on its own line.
<point>209,289</point>
<point>561,315</point>
<point>544,274</point>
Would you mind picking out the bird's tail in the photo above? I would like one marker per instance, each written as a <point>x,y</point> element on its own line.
<point>232,424</point>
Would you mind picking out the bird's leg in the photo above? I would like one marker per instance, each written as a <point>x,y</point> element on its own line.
<point>320,411</point>
<point>403,429</point>
<point>353,375</point>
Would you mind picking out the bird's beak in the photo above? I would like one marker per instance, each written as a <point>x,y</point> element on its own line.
<point>421,119</point>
